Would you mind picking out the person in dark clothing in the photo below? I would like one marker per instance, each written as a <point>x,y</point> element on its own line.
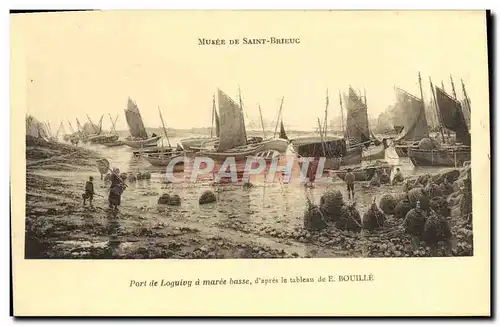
<point>349,180</point>
<point>115,190</point>
<point>89,191</point>
<point>398,177</point>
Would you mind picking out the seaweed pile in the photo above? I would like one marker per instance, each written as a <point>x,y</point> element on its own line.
<point>427,219</point>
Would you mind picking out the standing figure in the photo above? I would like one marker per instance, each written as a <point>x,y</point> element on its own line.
<point>116,190</point>
<point>349,180</point>
<point>89,191</point>
<point>311,171</point>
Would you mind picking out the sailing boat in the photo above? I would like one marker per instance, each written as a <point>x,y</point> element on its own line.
<point>112,140</point>
<point>233,139</point>
<point>138,136</point>
<point>358,131</point>
<point>334,149</point>
<point>415,127</point>
<point>165,155</point>
<point>278,142</point>
<point>451,117</point>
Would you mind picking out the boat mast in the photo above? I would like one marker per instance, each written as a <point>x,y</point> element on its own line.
<point>467,100</point>
<point>71,127</point>
<point>453,88</point>
<point>278,118</point>
<point>164,129</point>
<point>113,124</point>
<point>93,125</point>
<point>440,118</point>
<point>242,112</point>
<point>262,122</point>
<point>321,137</point>
<point>213,116</point>
<point>342,115</point>
<point>442,86</point>
<point>325,128</point>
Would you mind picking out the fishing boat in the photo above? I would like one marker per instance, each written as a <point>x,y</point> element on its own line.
<point>451,156</point>
<point>453,151</point>
<point>358,131</point>
<point>415,127</point>
<point>161,156</point>
<point>138,136</point>
<point>164,159</point>
<point>278,142</point>
<point>333,148</point>
<point>233,140</point>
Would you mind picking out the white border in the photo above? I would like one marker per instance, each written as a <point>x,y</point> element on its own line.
<point>185,4</point>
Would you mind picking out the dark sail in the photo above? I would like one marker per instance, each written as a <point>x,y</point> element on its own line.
<point>452,116</point>
<point>231,121</point>
<point>217,127</point>
<point>357,118</point>
<point>414,119</point>
<point>134,120</point>
<point>282,131</point>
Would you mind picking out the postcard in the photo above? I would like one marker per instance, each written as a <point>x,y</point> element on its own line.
<point>250,163</point>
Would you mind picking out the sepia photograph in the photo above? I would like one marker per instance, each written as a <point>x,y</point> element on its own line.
<point>173,156</point>
<point>133,151</point>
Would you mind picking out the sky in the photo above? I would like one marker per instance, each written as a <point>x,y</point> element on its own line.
<point>91,62</point>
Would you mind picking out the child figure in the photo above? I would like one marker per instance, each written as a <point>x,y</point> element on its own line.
<point>89,191</point>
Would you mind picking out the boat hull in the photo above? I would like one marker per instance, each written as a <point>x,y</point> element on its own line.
<point>374,153</point>
<point>141,143</point>
<point>152,150</point>
<point>164,160</point>
<point>280,145</point>
<point>188,143</point>
<point>450,157</point>
<point>101,139</point>
<point>114,143</point>
<point>239,153</point>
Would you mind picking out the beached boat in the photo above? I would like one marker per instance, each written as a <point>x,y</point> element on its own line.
<point>138,136</point>
<point>448,156</point>
<point>164,159</point>
<point>415,128</point>
<point>357,129</point>
<point>103,139</point>
<point>277,144</point>
<point>233,140</point>
<point>451,117</point>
